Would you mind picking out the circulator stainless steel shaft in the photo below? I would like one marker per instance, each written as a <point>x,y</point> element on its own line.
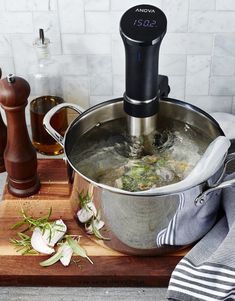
<point>138,127</point>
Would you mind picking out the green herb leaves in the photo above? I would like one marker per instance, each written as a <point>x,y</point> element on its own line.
<point>77,249</point>
<point>31,223</point>
<point>67,248</point>
<point>53,259</point>
<point>23,244</point>
<point>89,216</point>
<point>40,236</point>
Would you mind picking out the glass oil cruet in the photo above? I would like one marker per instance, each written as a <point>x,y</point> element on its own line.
<point>46,88</point>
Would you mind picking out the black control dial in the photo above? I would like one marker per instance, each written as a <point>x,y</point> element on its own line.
<point>143,24</point>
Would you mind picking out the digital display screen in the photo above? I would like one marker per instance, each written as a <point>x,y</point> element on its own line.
<point>145,23</point>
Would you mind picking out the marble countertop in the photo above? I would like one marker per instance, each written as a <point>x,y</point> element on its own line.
<point>83,294</point>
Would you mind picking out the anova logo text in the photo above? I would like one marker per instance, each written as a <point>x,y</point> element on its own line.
<point>145,10</point>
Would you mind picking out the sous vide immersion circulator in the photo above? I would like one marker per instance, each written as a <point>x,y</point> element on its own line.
<point>142,29</point>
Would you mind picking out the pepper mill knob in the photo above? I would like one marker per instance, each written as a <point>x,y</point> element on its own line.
<point>19,156</point>
<point>3,139</point>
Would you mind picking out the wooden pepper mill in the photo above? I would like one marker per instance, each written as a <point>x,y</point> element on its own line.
<point>19,156</point>
<point>3,139</point>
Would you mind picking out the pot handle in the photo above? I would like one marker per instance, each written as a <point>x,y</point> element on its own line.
<point>51,113</point>
<point>203,197</point>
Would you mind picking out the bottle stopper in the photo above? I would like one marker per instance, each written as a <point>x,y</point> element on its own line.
<point>19,156</point>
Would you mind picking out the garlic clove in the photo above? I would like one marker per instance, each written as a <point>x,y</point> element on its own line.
<point>84,215</point>
<point>38,243</point>
<point>67,253</point>
<point>98,224</point>
<point>89,229</point>
<point>58,229</point>
<point>91,207</point>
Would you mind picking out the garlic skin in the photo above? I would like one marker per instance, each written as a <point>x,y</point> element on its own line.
<point>89,229</point>
<point>67,253</point>
<point>98,224</point>
<point>57,232</point>
<point>38,243</point>
<point>85,214</point>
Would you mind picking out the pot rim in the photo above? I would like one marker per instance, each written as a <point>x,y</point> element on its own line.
<point>138,193</point>
<point>167,99</point>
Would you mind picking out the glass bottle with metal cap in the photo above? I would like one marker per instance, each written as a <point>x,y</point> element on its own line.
<point>46,88</point>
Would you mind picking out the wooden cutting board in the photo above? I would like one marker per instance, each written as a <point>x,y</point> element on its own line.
<point>110,268</point>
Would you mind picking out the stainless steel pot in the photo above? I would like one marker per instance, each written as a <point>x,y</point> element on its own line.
<point>153,224</point>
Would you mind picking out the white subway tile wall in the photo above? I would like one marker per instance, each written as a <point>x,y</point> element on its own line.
<point>2,5</point>
<point>197,74</point>
<point>197,53</point>
<point>233,105</point>
<point>202,4</point>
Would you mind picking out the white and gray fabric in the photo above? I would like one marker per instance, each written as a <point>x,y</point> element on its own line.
<point>190,223</point>
<point>207,272</point>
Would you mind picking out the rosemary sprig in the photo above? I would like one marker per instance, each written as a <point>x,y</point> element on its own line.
<point>32,223</point>
<point>84,199</point>
<point>23,244</point>
<point>96,231</point>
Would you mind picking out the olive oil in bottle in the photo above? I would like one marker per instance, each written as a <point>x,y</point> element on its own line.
<point>45,82</point>
<point>41,140</point>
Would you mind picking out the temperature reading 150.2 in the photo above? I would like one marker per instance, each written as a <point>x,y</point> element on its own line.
<point>145,23</point>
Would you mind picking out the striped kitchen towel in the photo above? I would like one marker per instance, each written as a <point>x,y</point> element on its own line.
<point>190,223</point>
<point>207,272</point>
